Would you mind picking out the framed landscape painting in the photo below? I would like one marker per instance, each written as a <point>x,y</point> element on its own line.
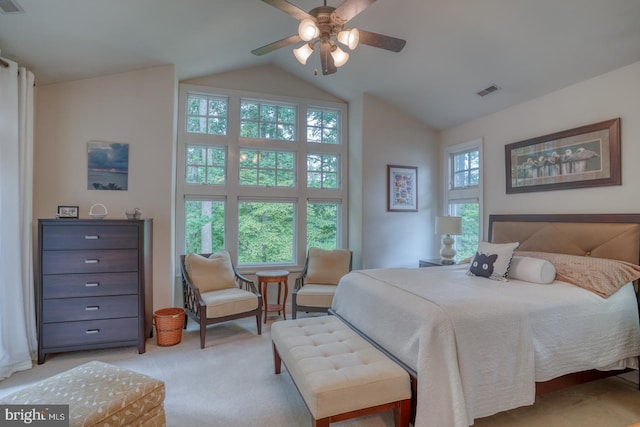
<point>107,166</point>
<point>402,188</point>
<point>587,156</point>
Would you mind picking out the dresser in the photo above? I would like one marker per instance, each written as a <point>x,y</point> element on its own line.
<point>94,288</point>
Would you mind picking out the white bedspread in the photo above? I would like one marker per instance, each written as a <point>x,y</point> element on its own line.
<point>479,345</point>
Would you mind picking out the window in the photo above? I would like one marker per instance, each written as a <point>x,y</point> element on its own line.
<point>207,114</point>
<point>260,176</point>
<point>463,193</point>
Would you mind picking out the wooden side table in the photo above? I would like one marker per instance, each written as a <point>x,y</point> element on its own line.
<point>276,276</point>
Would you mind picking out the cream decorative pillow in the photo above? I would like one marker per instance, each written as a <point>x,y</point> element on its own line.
<point>530,269</point>
<point>599,275</point>
<point>211,274</point>
<point>327,267</point>
<point>492,260</point>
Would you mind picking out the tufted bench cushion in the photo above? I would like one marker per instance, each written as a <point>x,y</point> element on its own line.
<point>99,394</point>
<point>338,373</point>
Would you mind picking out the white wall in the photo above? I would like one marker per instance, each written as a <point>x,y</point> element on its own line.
<point>396,239</point>
<point>137,108</point>
<point>611,95</point>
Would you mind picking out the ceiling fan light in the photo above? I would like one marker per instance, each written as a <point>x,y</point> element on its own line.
<point>349,38</point>
<point>340,57</point>
<point>307,29</point>
<point>303,53</point>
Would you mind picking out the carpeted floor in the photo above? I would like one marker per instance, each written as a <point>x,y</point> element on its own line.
<point>231,383</point>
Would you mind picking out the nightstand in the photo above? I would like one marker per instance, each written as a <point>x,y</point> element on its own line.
<point>432,262</point>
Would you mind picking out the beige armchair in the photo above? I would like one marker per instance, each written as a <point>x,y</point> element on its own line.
<point>215,292</point>
<point>316,284</point>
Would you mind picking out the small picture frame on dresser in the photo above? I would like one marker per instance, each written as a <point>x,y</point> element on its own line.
<point>67,212</point>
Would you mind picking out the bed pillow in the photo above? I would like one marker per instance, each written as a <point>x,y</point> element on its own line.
<point>492,260</point>
<point>535,270</point>
<point>599,275</point>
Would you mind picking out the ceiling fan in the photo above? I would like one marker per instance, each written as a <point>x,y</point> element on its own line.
<point>325,26</point>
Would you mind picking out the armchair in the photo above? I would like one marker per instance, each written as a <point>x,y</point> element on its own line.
<point>214,292</point>
<point>316,284</point>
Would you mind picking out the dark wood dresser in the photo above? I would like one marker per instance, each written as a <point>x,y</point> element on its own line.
<point>94,288</point>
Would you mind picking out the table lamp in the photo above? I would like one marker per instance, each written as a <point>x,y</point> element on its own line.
<point>448,226</point>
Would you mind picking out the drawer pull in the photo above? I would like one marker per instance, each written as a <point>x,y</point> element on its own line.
<point>92,308</point>
<point>90,261</point>
<point>91,285</point>
<point>92,331</point>
<point>91,237</point>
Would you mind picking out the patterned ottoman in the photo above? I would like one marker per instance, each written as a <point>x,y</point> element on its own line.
<point>99,394</point>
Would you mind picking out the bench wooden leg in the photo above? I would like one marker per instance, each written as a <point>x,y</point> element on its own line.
<point>403,413</point>
<point>277,361</point>
<point>324,422</point>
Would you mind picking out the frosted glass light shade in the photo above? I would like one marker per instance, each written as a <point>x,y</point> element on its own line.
<point>340,57</point>
<point>307,30</point>
<point>349,38</point>
<point>303,53</point>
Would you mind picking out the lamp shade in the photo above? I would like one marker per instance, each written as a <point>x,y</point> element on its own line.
<point>340,57</point>
<point>349,38</point>
<point>451,225</point>
<point>303,53</point>
<point>307,29</point>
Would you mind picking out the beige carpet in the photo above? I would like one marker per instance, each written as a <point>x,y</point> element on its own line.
<point>231,383</point>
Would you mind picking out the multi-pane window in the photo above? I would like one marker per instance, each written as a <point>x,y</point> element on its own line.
<point>261,176</point>
<point>267,168</point>
<point>464,194</point>
<point>466,169</point>
<point>205,165</point>
<point>266,232</point>
<point>323,126</point>
<point>205,225</point>
<point>259,119</point>
<point>322,170</point>
<point>207,114</point>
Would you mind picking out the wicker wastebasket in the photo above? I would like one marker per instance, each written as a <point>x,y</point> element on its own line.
<point>169,323</point>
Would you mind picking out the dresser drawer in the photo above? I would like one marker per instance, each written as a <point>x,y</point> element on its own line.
<point>89,237</point>
<point>72,309</point>
<point>89,332</point>
<point>94,261</point>
<point>89,285</point>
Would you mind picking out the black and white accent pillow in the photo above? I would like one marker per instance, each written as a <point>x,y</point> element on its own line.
<point>492,260</point>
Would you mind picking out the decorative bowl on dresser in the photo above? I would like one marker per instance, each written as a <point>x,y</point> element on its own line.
<point>94,288</point>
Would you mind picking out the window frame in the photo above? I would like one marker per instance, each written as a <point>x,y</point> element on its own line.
<point>233,193</point>
<point>471,194</point>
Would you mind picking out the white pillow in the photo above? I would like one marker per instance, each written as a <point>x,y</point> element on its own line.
<point>492,260</point>
<point>534,270</point>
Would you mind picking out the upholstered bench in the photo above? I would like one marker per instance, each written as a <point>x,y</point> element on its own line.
<point>99,394</point>
<point>338,373</point>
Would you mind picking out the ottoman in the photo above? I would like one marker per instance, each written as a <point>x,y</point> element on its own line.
<point>99,394</point>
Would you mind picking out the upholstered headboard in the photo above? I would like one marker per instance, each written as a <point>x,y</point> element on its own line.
<point>614,236</point>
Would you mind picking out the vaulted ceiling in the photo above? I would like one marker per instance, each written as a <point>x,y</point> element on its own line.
<point>455,48</point>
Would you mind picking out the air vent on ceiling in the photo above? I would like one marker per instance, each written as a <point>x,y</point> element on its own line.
<point>488,90</point>
<point>9,7</point>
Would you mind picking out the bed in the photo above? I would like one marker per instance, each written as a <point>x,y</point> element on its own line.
<point>475,346</point>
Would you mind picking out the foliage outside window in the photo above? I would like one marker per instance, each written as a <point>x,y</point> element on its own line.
<point>205,165</point>
<point>467,242</point>
<point>267,168</point>
<point>266,232</point>
<point>323,225</point>
<point>322,171</point>
<point>264,120</point>
<point>207,114</point>
<point>205,231</point>
<point>323,126</point>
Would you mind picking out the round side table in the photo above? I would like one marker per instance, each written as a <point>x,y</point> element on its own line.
<point>276,276</point>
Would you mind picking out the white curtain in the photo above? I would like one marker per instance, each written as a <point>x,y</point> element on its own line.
<point>18,339</point>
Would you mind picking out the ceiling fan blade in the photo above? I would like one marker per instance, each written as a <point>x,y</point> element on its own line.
<point>350,8</point>
<point>276,45</point>
<point>289,8</point>
<point>381,41</point>
<point>328,67</point>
